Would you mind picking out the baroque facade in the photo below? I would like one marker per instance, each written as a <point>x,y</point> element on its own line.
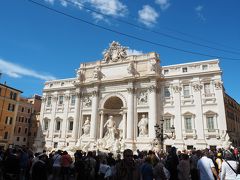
<point>114,103</point>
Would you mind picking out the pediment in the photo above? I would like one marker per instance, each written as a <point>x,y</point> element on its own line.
<point>210,113</point>
<point>188,114</point>
<point>167,114</point>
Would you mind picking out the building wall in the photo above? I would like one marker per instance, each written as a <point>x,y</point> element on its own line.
<point>27,124</point>
<point>194,104</point>
<point>9,97</point>
<point>33,129</point>
<point>233,118</point>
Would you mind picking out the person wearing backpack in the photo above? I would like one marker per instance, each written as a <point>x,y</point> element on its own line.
<point>229,167</point>
<point>56,161</point>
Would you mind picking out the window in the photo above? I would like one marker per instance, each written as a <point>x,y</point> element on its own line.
<point>11,95</point>
<point>5,135</point>
<point>28,111</point>
<point>55,145</point>
<point>204,67</point>
<point>188,123</point>
<point>207,88</point>
<point>167,123</point>
<point>73,99</point>
<point>70,128</point>
<point>18,138</point>
<point>189,147</point>
<point>45,124</point>
<point>26,129</point>
<point>210,123</point>
<point>14,96</point>
<point>184,69</point>
<point>24,139</point>
<point>8,120</point>
<point>22,109</point>
<point>11,107</point>
<point>49,101</point>
<point>58,125</point>
<point>19,130</point>
<point>166,91</point>
<point>26,120</point>
<point>166,71</point>
<point>186,91</point>
<point>60,101</point>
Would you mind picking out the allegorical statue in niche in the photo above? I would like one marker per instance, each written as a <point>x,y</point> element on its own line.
<point>86,127</point>
<point>143,126</point>
<point>111,128</point>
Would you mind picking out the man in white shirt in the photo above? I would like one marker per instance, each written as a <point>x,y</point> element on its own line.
<point>206,167</point>
<point>226,171</point>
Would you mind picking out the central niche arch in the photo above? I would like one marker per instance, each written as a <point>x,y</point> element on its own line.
<point>113,103</point>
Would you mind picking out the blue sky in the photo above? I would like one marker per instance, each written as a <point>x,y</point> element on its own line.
<point>37,44</point>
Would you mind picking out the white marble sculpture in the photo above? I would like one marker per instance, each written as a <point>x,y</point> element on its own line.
<point>111,130</point>
<point>142,126</point>
<point>86,127</point>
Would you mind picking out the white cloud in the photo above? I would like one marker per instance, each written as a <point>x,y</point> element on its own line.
<point>164,4</point>
<point>50,1</point>
<point>148,15</point>
<point>17,71</point>
<point>198,10</point>
<point>63,3</point>
<point>133,52</point>
<point>109,7</point>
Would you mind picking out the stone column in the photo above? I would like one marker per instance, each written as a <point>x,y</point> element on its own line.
<point>221,118</point>
<point>76,115</point>
<point>152,111</point>
<point>101,125</point>
<point>178,117</point>
<point>94,115</point>
<point>130,116</point>
<point>198,124</point>
<point>65,117</point>
<point>52,123</point>
<point>124,125</point>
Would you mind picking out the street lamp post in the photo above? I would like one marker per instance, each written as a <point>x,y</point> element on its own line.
<point>160,135</point>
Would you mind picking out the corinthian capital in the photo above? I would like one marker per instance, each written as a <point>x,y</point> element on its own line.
<point>197,87</point>
<point>95,93</point>
<point>152,88</point>
<point>218,84</point>
<point>130,90</point>
<point>177,89</point>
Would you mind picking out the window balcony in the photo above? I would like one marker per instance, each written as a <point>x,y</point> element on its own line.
<point>189,133</point>
<point>212,133</point>
<point>209,98</point>
<point>187,100</point>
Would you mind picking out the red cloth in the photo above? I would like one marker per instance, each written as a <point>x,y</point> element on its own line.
<point>66,160</point>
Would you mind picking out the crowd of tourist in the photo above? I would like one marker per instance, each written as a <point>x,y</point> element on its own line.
<point>22,164</point>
